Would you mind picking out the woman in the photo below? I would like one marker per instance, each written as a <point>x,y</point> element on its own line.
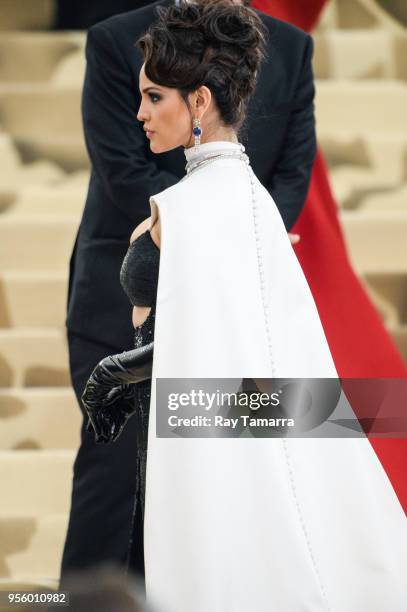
<point>235,524</point>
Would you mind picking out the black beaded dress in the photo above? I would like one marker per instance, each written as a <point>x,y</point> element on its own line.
<point>139,279</point>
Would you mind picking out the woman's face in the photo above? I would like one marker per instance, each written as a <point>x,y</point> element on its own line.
<point>164,112</point>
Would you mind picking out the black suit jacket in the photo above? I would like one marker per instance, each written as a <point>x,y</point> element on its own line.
<point>280,142</point>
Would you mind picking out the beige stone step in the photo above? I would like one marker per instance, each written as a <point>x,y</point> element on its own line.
<point>26,14</point>
<point>39,174</point>
<point>33,300</point>
<point>34,56</point>
<point>42,418</point>
<point>16,175</point>
<point>396,8</point>
<point>376,241</point>
<point>23,186</point>
<point>356,14</point>
<point>56,134</point>
<point>365,166</point>
<point>393,200</point>
<point>399,334</point>
<point>33,243</point>
<point>43,200</point>
<point>71,69</point>
<point>7,199</point>
<point>9,156</point>
<point>33,358</point>
<point>382,152</point>
<point>353,184</point>
<point>359,105</point>
<point>24,584</point>
<point>35,482</point>
<point>389,292</point>
<point>31,548</point>
<point>360,54</point>
<point>66,196</point>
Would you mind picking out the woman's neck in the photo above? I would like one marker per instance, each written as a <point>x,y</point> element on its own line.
<point>225,134</point>
<point>222,134</point>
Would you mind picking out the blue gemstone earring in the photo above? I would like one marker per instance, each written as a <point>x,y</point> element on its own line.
<point>197,131</point>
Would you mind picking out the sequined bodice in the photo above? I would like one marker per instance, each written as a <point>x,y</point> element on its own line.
<point>139,271</point>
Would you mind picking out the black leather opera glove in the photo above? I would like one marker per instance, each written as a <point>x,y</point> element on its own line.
<point>108,420</point>
<point>109,395</point>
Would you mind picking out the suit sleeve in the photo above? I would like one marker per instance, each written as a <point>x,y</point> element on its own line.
<point>291,177</point>
<point>114,137</point>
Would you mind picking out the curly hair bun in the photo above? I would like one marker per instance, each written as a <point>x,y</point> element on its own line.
<point>216,43</point>
<point>224,25</point>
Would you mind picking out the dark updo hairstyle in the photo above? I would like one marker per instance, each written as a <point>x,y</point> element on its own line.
<point>216,43</point>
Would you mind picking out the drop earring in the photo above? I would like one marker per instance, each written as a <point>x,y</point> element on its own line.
<point>197,131</point>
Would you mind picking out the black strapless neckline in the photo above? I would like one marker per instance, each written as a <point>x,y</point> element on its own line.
<point>139,271</point>
<point>148,236</point>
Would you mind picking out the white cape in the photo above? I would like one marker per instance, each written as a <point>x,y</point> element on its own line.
<point>268,525</point>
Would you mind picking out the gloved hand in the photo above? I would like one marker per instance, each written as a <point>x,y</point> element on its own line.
<point>108,421</point>
<point>109,394</point>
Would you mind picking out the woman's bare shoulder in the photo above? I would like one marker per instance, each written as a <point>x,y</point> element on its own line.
<point>140,229</point>
<point>144,226</point>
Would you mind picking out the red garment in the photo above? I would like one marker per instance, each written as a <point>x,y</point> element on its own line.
<point>302,13</point>
<point>359,343</point>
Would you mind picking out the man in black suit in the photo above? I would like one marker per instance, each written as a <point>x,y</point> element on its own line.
<point>280,142</point>
<point>79,15</point>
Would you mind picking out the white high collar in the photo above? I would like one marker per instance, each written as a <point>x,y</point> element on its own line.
<point>209,148</point>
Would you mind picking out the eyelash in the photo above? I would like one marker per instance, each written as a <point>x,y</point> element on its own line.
<point>152,95</point>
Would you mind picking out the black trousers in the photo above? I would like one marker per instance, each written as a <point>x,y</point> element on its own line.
<point>105,523</point>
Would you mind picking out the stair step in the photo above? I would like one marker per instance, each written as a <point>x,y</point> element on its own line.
<point>400,337</point>
<point>365,150</point>
<point>360,54</point>
<point>32,244</point>
<point>33,300</point>
<point>35,56</point>
<point>26,582</point>
<point>26,14</point>
<point>17,176</point>
<point>34,358</point>
<point>389,292</point>
<point>396,8</point>
<point>71,69</point>
<point>352,184</point>
<point>356,14</point>
<point>35,482</point>
<point>392,200</point>
<point>359,105</point>
<point>57,134</point>
<point>376,241</point>
<point>10,158</point>
<point>31,548</point>
<point>40,418</point>
<point>46,200</point>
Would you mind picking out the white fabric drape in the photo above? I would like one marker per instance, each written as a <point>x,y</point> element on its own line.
<point>269,525</point>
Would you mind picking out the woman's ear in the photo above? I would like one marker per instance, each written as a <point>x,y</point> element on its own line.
<point>202,101</point>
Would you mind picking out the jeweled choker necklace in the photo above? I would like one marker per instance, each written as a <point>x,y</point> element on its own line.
<point>205,159</point>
